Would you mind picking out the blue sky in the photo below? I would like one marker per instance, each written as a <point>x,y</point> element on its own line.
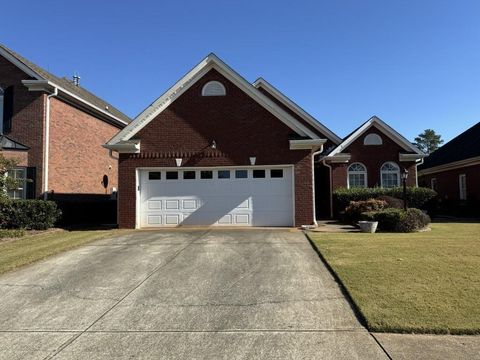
<point>415,64</point>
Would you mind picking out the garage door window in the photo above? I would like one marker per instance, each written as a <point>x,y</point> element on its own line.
<point>224,174</point>
<point>154,175</point>
<point>241,174</point>
<point>257,174</point>
<point>206,174</point>
<point>276,173</point>
<point>189,175</point>
<point>172,175</point>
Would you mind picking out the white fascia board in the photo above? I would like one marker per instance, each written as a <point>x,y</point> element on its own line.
<point>451,166</point>
<point>260,82</point>
<point>410,157</point>
<point>338,158</point>
<point>129,147</point>
<point>20,64</point>
<point>306,144</point>
<point>392,134</point>
<point>210,62</point>
<point>48,86</point>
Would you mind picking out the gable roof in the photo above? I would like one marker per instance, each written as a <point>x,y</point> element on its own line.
<point>210,62</point>
<point>262,83</point>
<point>40,74</point>
<point>392,133</point>
<point>464,146</point>
<point>9,144</point>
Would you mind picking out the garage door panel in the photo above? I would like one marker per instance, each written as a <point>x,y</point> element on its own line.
<point>231,201</point>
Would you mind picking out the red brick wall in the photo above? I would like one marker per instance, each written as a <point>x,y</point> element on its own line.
<point>77,160</point>
<point>448,183</point>
<point>240,127</point>
<point>373,157</point>
<point>28,118</point>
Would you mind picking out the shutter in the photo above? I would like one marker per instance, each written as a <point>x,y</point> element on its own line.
<point>31,177</point>
<point>7,109</point>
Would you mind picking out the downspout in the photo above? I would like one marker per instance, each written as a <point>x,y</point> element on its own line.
<point>318,152</point>
<point>47,144</point>
<point>416,170</point>
<point>331,185</point>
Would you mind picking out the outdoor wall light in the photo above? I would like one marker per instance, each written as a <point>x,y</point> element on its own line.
<point>214,144</point>
<point>178,161</point>
<point>253,159</point>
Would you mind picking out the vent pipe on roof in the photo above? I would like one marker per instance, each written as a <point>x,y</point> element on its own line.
<point>76,79</point>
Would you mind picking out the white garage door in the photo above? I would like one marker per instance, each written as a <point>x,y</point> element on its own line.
<point>258,196</point>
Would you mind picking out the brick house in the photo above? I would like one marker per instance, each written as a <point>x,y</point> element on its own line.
<point>217,150</point>
<point>54,128</point>
<point>374,155</point>
<point>453,170</point>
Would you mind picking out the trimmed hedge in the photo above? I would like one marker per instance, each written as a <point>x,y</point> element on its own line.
<point>416,197</point>
<point>398,220</point>
<point>28,214</point>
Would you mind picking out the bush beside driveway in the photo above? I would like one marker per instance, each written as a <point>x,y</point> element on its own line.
<point>426,282</point>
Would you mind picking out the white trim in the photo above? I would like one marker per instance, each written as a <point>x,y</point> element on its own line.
<point>381,125</point>
<point>451,166</point>
<point>126,147</point>
<point>410,157</point>
<point>19,64</point>
<point>46,144</point>
<point>260,82</point>
<point>210,62</point>
<point>306,144</point>
<point>364,173</point>
<point>138,170</point>
<point>205,89</point>
<point>338,158</point>
<point>390,172</point>
<point>372,139</point>
<point>48,86</point>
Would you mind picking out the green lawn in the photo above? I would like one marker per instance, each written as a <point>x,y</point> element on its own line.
<point>425,282</point>
<point>30,248</point>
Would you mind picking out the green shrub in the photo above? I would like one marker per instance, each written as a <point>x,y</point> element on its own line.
<point>354,211</point>
<point>398,220</point>
<point>413,220</point>
<point>416,197</point>
<point>28,214</point>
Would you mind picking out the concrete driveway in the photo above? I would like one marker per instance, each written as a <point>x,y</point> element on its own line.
<point>189,294</point>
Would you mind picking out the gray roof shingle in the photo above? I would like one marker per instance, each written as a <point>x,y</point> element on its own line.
<point>79,91</point>
<point>464,146</point>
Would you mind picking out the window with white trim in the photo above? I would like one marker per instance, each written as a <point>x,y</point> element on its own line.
<point>19,174</point>
<point>462,186</point>
<point>214,88</point>
<point>390,175</point>
<point>357,176</point>
<point>372,139</point>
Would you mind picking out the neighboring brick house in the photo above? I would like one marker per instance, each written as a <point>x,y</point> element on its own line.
<point>55,129</point>
<point>453,170</point>
<point>217,150</point>
<point>374,155</point>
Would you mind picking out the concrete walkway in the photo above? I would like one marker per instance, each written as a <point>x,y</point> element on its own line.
<point>190,294</point>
